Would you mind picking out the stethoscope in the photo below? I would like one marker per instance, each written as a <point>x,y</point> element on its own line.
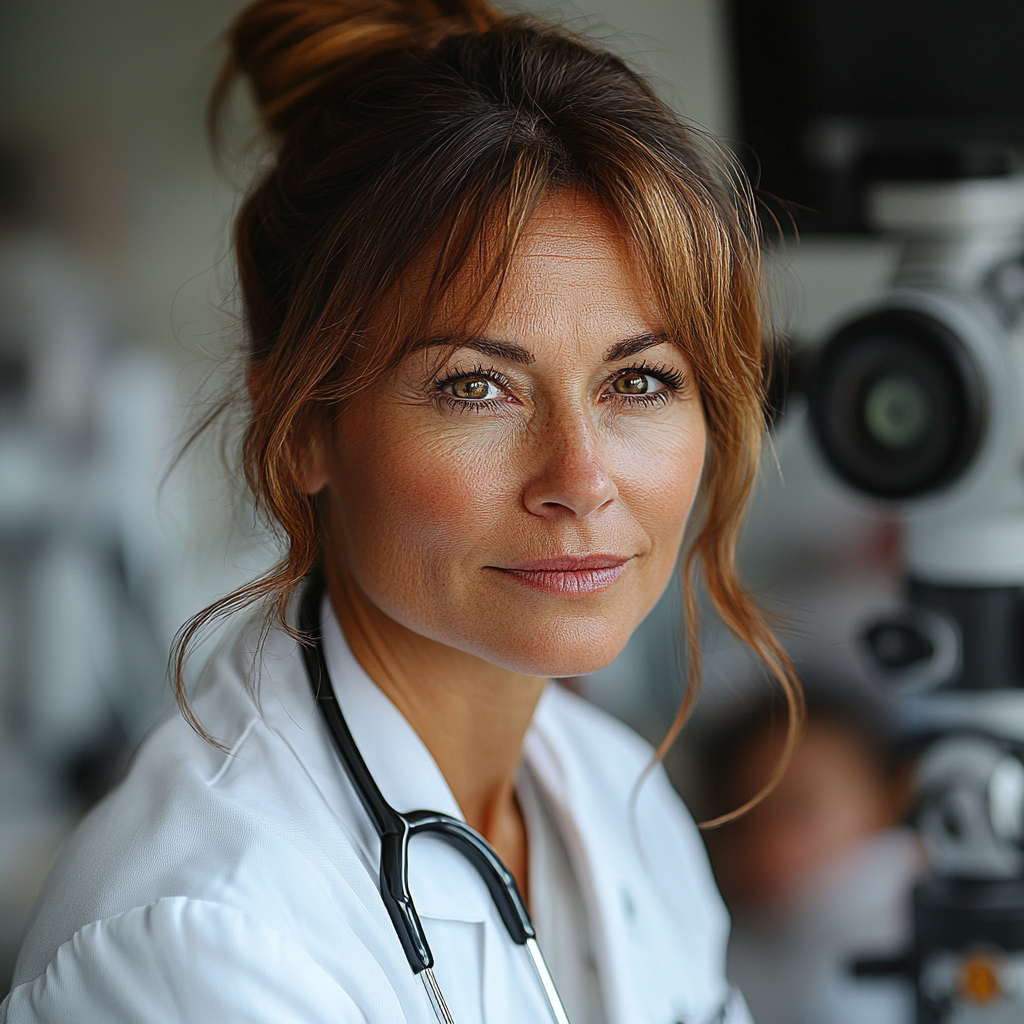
<point>395,829</point>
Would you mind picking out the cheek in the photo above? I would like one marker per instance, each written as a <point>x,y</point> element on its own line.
<point>412,504</point>
<point>658,475</point>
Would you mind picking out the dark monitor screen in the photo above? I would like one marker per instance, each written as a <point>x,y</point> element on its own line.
<point>836,93</point>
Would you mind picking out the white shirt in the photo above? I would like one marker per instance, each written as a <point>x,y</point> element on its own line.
<point>558,911</point>
<point>242,887</point>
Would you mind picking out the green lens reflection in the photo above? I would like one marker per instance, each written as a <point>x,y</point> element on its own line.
<point>897,412</point>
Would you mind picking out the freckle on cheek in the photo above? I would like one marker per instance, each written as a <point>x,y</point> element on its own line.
<point>420,501</point>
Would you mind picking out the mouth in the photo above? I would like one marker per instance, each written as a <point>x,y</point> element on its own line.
<point>568,574</point>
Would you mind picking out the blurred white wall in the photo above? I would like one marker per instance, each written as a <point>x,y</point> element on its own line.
<point>115,90</point>
<point>112,95</point>
<point>681,44</point>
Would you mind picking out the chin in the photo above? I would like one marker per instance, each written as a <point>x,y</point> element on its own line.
<point>559,650</point>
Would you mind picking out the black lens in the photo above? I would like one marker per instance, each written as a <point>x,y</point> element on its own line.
<point>898,412</point>
<point>896,645</point>
<point>897,404</point>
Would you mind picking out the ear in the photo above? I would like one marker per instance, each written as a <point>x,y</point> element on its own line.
<point>307,441</point>
<point>312,459</point>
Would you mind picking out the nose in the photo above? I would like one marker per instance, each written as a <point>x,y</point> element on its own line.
<point>572,479</point>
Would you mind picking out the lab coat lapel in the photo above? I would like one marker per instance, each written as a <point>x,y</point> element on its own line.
<point>627,929</point>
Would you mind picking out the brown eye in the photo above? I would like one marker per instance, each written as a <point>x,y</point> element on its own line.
<point>632,384</point>
<point>472,388</point>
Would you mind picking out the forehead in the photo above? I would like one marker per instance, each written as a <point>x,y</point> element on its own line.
<point>571,278</point>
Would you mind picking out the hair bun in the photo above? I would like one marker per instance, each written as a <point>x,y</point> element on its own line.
<point>290,49</point>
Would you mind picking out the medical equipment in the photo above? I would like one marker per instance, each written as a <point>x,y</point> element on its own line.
<point>832,95</point>
<point>395,829</point>
<point>919,400</point>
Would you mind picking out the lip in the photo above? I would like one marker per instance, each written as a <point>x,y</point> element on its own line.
<point>568,574</point>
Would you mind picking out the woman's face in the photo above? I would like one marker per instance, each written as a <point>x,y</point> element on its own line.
<point>525,500</point>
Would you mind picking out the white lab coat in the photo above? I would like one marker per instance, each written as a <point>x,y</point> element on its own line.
<point>243,887</point>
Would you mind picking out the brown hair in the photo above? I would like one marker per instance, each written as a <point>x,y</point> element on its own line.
<point>404,129</point>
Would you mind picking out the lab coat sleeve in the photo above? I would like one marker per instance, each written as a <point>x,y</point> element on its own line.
<point>179,961</point>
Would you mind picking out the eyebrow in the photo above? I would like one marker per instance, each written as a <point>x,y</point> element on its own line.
<point>507,350</point>
<point>513,353</point>
<point>631,346</point>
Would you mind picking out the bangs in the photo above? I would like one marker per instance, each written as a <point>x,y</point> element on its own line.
<point>671,228</point>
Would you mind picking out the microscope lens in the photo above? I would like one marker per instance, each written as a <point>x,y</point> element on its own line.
<point>898,412</point>
<point>897,404</point>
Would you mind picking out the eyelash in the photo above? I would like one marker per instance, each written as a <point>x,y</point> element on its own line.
<point>465,404</point>
<point>673,379</point>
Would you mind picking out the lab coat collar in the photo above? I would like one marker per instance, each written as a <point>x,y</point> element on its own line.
<point>444,885</point>
<point>405,771</point>
<point>588,853</point>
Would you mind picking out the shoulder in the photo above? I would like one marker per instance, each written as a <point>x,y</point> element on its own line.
<point>204,824</point>
<point>180,959</point>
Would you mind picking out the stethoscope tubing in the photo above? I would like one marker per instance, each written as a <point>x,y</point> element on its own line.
<point>395,829</point>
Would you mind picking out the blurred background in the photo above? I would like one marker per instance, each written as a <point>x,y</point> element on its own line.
<point>117,309</point>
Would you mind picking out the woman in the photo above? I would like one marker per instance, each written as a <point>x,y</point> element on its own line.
<point>503,331</point>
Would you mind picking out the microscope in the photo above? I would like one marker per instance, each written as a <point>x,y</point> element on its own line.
<point>918,402</point>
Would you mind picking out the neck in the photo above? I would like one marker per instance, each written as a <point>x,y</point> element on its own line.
<point>472,716</point>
